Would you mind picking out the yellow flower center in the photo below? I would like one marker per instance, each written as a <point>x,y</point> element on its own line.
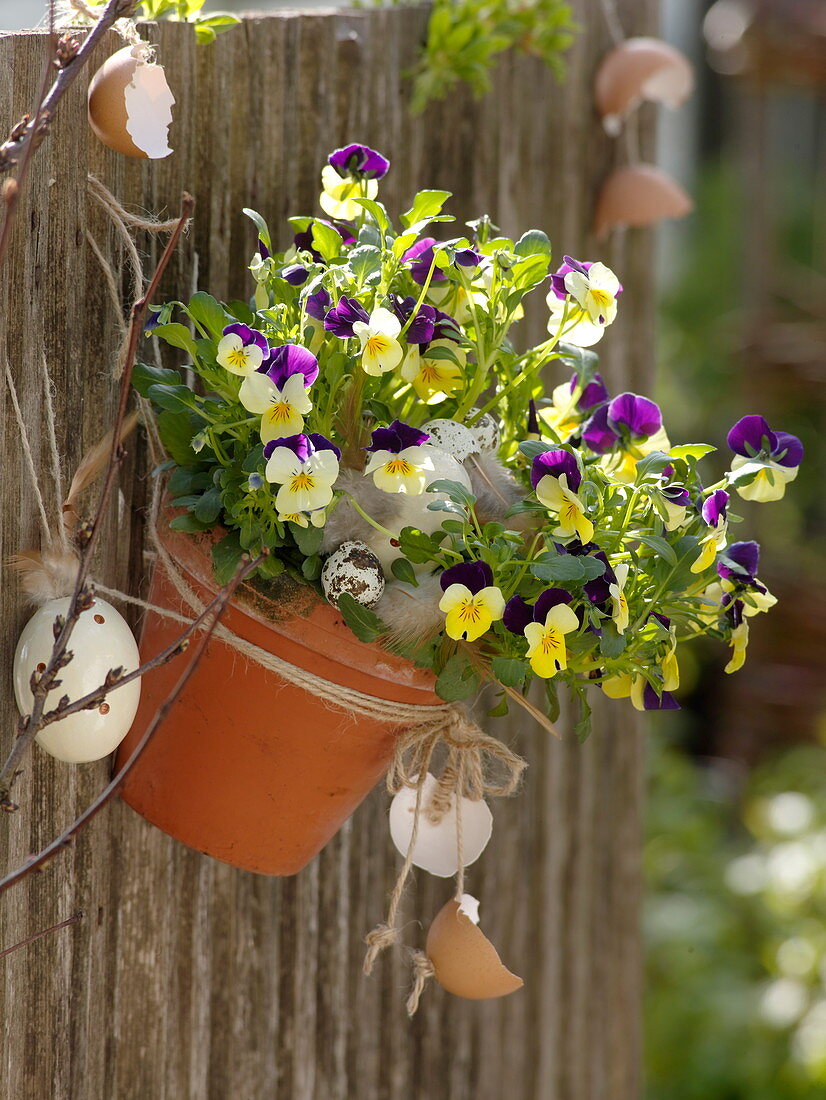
<point>238,357</point>
<point>551,642</point>
<point>376,344</point>
<point>601,298</point>
<point>280,411</point>
<point>398,466</point>
<point>469,611</point>
<point>301,482</point>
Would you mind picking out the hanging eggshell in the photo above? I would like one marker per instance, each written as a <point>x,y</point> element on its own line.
<point>353,569</point>
<point>452,437</point>
<point>464,960</point>
<point>436,848</point>
<point>486,431</point>
<point>413,511</point>
<point>130,104</point>
<point>100,641</point>
<point>638,195</point>
<point>640,69</point>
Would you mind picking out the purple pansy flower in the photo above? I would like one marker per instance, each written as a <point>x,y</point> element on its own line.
<point>467,257</point>
<point>556,463</point>
<point>751,435</point>
<point>302,445</point>
<point>593,394</point>
<point>677,495</point>
<point>446,327</point>
<point>263,251</point>
<point>740,562</point>
<point>598,590</point>
<point>248,336</point>
<point>341,318</point>
<point>420,258</point>
<point>638,415</point>
<point>295,274</point>
<point>715,508</point>
<point>303,240</point>
<point>397,438</point>
<point>423,325</point>
<point>652,701</point>
<point>318,305</point>
<point>597,435</point>
<point>518,612</point>
<point>360,161</point>
<point>287,360</point>
<point>570,264</point>
<point>474,575</point>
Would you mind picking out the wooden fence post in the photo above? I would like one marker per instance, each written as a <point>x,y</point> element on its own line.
<point>186,979</point>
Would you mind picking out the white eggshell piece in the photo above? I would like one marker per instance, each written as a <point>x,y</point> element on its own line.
<point>452,437</point>
<point>100,641</point>
<point>149,103</point>
<point>354,569</point>
<point>485,430</point>
<point>413,511</point>
<point>436,847</point>
<point>469,905</point>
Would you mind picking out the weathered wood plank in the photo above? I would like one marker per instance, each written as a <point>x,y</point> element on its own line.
<point>187,979</point>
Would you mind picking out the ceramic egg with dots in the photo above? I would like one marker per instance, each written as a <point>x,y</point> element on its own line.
<point>353,569</point>
<point>130,104</point>
<point>485,430</point>
<point>452,437</point>
<point>100,641</point>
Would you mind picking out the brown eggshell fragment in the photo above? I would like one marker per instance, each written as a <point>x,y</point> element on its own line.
<point>464,960</point>
<point>640,69</point>
<point>638,195</point>
<point>130,105</point>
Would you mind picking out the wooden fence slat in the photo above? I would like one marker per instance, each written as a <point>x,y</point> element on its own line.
<point>186,979</point>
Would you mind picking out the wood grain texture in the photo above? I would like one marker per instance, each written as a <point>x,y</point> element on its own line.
<point>188,980</point>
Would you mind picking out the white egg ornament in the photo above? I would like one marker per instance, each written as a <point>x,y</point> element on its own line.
<point>100,641</point>
<point>353,569</point>
<point>436,848</point>
<point>453,438</point>
<point>130,104</point>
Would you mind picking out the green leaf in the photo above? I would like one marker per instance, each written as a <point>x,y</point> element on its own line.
<point>533,243</point>
<point>144,375</point>
<point>175,398</point>
<point>658,545</point>
<point>176,432</point>
<point>402,570</point>
<point>611,643</point>
<point>417,546</point>
<point>226,557</point>
<point>261,226</point>
<point>501,708</point>
<point>426,205</point>
<point>326,241</point>
<point>187,523</point>
<point>652,465</point>
<point>582,730</point>
<point>530,448</point>
<point>364,623</point>
<point>178,336</point>
<point>567,568</point>
<point>692,450</point>
<point>453,489</point>
<point>308,539</point>
<point>509,671</point>
<point>311,567</point>
<point>457,680</point>
<point>207,312</point>
<point>209,506</point>
<point>376,211</point>
<point>365,262</point>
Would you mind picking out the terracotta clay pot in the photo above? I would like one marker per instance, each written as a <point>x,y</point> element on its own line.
<point>248,768</point>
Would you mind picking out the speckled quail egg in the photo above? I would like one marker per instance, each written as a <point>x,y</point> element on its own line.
<point>452,437</point>
<point>354,569</point>
<point>100,641</point>
<point>485,431</point>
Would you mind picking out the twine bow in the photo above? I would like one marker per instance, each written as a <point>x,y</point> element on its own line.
<point>477,765</point>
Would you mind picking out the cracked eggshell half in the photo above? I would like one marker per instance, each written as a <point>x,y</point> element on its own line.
<point>130,105</point>
<point>640,69</point>
<point>100,641</point>
<point>464,960</point>
<point>638,195</point>
<point>436,847</point>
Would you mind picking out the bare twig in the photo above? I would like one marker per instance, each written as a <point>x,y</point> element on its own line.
<point>75,917</point>
<point>88,534</point>
<point>65,839</point>
<point>27,135</point>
